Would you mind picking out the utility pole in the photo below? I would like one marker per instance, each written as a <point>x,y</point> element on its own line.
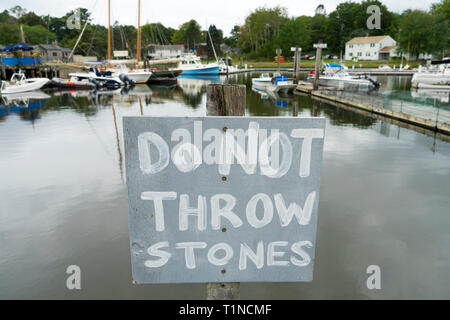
<point>319,46</point>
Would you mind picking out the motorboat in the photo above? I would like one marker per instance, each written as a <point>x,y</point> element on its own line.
<point>191,65</point>
<point>106,78</point>
<point>264,78</point>
<point>277,84</point>
<point>136,76</point>
<point>19,83</point>
<point>336,75</point>
<point>73,83</point>
<point>437,74</point>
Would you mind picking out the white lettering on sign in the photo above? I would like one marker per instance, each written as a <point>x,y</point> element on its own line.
<point>223,199</point>
<point>221,254</point>
<point>273,152</point>
<point>219,213</point>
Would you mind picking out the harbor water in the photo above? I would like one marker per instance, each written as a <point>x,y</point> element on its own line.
<point>385,196</point>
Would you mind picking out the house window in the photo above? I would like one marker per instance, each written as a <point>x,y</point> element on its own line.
<point>367,54</point>
<point>350,46</point>
<point>372,45</point>
<point>359,54</point>
<point>350,54</point>
<point>55,54</point>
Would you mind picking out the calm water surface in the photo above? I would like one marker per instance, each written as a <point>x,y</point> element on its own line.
<point>385,198</point>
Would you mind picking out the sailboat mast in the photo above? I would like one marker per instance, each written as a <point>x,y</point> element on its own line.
<point>138,54</point>
<point>109,29</point>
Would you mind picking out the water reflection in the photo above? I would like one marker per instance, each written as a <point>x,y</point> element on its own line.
<point>384,197</point>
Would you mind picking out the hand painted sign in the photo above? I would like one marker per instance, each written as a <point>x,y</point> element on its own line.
<point>223,199</point>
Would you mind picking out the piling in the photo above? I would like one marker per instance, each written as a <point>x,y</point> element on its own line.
<point>225,100</point>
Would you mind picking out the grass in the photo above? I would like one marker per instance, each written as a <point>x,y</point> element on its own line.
<point>311,63</point>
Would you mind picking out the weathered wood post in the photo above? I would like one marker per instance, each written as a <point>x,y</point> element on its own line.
<point>297,57</point>
<point>224,100</point>
<point>3,71</point>
<point>319,46</point>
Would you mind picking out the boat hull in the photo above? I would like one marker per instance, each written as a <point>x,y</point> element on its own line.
<point>202,71</point>
<point>112,82</point>
<point>28,85</point>
<point>165,74</point>
<point>440,79</point>
<point>138,77</point>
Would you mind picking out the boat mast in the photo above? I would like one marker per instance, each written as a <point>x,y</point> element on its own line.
<point>109,29</point>
<point>138,54</point>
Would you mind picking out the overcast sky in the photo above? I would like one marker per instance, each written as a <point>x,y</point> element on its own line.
<point>224,14</point>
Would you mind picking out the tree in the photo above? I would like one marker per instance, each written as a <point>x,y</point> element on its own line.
<point>38,34</point>
<point>293,33</point>
<point>217,38</point>
<point>260,29</point>
<point>189,34</point>
<point>9,34</point>
<point>416,33</point>
<point>18,11</point>
<point>31,19</point>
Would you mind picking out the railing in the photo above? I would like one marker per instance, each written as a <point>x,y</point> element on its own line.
<point>425,108</point>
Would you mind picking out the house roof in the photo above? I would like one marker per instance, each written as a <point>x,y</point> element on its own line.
<point>387,49</point>
<point>366,39</point>
<point>49,47</point>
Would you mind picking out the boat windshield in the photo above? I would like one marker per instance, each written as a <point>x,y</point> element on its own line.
<point>17,77</point>
<point>265,75</point>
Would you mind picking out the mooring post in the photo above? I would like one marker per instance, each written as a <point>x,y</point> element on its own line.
<point>298,53</point>
<point>225,100</point>
<point>319,46</point>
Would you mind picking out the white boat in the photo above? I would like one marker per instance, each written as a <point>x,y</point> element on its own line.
<point>191,65</point>
<point>20,84</point>
<point>105,78</point>
<point>276,84</point>
<point>438,74</point>
<point>336,75</point>
<point>264,78</point>
<point>137,76</point>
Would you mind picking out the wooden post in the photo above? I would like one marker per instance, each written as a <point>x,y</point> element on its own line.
<point>225,100</point>
<point>4,72</point>
<point>319,46</point>
<point>299,60</point>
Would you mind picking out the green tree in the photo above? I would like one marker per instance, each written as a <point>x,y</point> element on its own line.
<point>31,19</point>
<point>9,34</point>
<point>38,34</point>
<point>293,33</point>
<point>416,33</point>
<point>189,33</point>
<point>217,39</point>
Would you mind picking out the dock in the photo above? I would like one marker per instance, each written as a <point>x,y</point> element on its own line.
<point>435,119</point>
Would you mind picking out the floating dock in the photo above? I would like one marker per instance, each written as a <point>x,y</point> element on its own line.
<point>437,120</point>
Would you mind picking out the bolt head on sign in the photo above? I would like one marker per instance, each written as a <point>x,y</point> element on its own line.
<point>208,205</point>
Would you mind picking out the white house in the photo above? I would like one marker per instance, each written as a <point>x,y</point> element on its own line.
<point>171,51</point>
<point>370,48</point>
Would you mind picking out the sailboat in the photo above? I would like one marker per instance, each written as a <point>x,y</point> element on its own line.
<point>136,76</point>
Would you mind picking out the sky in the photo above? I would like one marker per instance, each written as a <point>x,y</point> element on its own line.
<point>172,13</point>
